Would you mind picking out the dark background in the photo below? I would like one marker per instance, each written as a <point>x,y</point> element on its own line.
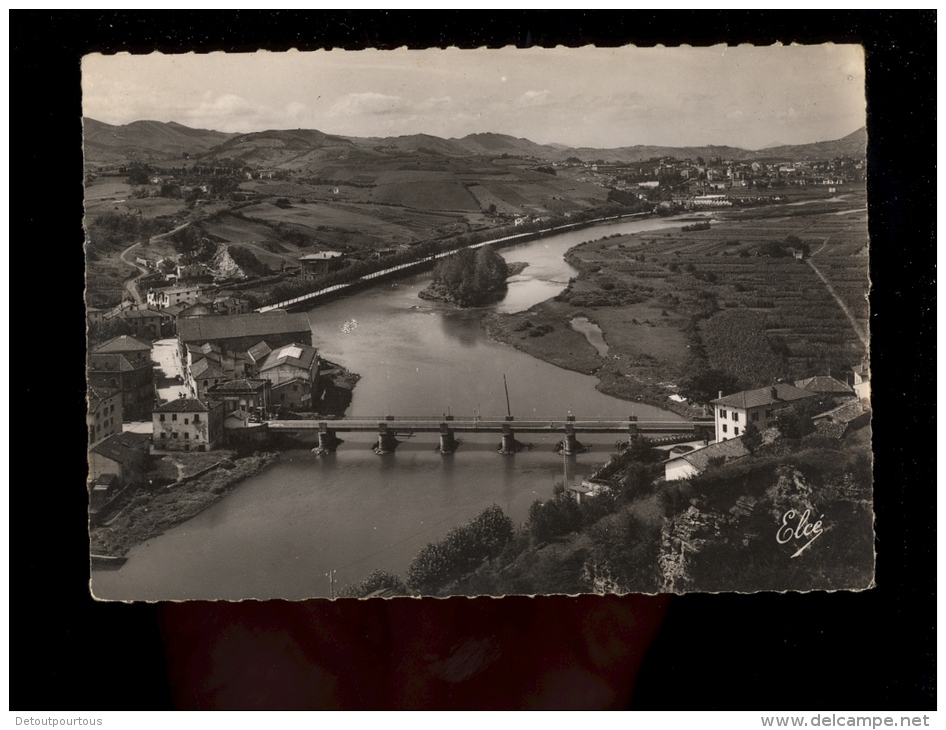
<point>869,650</point>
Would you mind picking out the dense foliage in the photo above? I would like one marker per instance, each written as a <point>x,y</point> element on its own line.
<point>461,551</point>
<point>389,584</point>
<point>114,231</point>
<point>472,278</point>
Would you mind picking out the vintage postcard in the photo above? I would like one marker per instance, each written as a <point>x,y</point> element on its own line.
<point>477,322</point>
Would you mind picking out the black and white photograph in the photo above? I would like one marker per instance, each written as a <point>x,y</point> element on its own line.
<point>477,322</point>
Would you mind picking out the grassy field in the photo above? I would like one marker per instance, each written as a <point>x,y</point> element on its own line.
<point>670,303</point>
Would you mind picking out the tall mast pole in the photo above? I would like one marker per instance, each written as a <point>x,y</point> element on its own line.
<point>506,387</point>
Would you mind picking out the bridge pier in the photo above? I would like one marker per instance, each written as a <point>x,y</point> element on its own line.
<point>328,440</point>
<point>386,441</point>
<point>509,445</point>
<point>448,444</point>
<point>571,444</point>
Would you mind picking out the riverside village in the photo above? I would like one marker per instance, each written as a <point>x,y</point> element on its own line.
<point>355,364</point>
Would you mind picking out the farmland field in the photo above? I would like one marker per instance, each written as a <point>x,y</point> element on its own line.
<point>671,303</point>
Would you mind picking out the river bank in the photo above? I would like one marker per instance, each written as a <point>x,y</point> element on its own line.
<point>146,513</point>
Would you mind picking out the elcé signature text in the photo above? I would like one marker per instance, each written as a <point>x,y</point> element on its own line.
<point>797,526</point>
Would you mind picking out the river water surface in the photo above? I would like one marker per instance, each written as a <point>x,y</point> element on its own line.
<point>279,533</point>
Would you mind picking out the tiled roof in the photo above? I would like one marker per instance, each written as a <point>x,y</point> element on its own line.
<point>240,385</point>
<point>112,364</point>
<point>175,309</point>
<point>122,343</point>
<point>254,324</point>
<point>728,450</point>
<point>182,405</point>
<point>259,351</point>
<point>142,314</point>
<point>123,447</point>
<point>295,355</point>
<point>205,368</point>
<point>294,381</point>
<point>843,413</point>
<point>98,393</point>
<point>824,384</point>
<point>770,395</point>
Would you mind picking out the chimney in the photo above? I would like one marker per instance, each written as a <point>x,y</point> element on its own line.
<point>774,393</point>
<point>720,394</point>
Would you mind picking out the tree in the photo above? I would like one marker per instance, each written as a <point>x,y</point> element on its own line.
<point>378,580</point>
<point>751,438</point>
<point>705,386</point>
<point>461,551</point>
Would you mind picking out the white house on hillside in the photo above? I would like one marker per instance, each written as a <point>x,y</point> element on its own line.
<point>732,413</point>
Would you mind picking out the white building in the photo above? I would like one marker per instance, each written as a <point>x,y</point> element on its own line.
<point>164,298</point>
<point>732,413</point>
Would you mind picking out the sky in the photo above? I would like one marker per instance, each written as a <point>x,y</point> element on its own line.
<point>744,96</point>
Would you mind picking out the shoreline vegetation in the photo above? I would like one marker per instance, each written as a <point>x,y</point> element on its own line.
<point>641,534</point>
<point>675,303</point>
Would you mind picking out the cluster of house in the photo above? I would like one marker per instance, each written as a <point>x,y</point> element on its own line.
<point>733,413</point>
<point>723,173</point>
<point>237,371</point>
<point>159,315</point>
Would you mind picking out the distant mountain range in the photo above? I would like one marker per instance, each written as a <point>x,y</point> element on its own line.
<point>151,141</point>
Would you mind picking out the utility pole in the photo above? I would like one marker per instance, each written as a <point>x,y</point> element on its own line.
<point>506,388</point>
<point>331,582</point>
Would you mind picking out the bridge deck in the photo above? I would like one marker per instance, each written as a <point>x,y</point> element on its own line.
<point>427,425</point>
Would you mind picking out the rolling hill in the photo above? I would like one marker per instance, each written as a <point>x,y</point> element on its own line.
<point>145,141</point>
<point>310,148</point>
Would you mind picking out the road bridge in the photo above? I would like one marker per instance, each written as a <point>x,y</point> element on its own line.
<point>389,427</point>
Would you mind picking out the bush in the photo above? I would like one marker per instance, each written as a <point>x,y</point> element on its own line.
<point>461,551</point>
<point>378,580</point>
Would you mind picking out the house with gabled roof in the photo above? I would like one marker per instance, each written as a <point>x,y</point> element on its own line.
<point>124,455</point>
<point>238,332</point>
<point>826,385</point>
<point>294,372</point>
<point>187,424</point>
<point>104,417</point>
<point>245,395</point>
<point>124,363</point>
<point>732,413</point>
<point>691,463</point>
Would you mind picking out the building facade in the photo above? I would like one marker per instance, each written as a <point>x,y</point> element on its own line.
<point>187,424</point>
<point>164,298</point>
<point>732,413</point>
<point>104,417</point>
<point>248,396</point>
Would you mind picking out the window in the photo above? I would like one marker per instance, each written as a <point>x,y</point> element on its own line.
<point>162,416</point>
<point>187,435</point>
<point>196,418</point>
<point>722,412</point>
<point>768,413</point>
<point>725,428</point>
<point>173,416</point>
<point>163,435</point>
<point>186,421</point>
<point>174,435</point>
<point>755,415</point>
<point>736,430</point>
<point>112,409</point>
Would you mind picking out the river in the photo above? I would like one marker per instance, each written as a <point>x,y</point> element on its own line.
<point>280,533</point>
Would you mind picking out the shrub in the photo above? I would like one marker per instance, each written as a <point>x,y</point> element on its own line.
<point>461,551</point>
